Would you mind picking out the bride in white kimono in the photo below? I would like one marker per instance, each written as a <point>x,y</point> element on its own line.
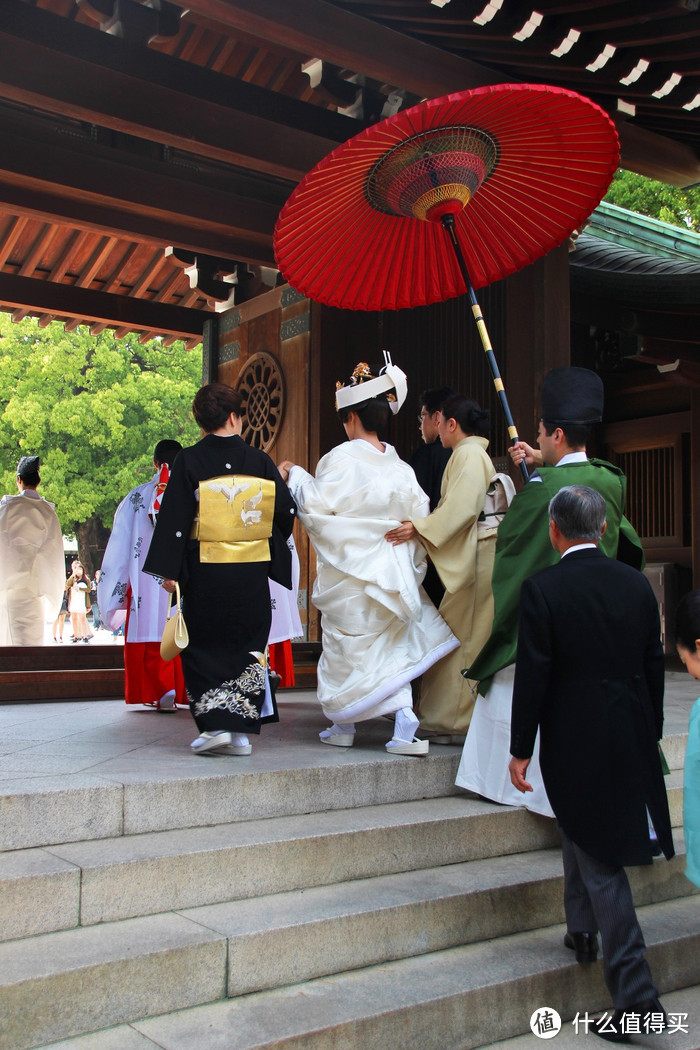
<point>380,630</point>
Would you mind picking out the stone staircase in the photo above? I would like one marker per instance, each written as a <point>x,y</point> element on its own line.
<point>344,905</point>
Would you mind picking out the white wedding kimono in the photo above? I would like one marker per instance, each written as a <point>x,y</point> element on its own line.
<point>32,568</point>
<point>380,630</point>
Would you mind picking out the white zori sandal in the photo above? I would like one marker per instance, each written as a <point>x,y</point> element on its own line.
<point>339,735</point>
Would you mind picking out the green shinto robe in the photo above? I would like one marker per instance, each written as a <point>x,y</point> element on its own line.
<point>523,548</point>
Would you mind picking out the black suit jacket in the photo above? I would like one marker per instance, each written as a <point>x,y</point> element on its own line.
<point>590,673</point>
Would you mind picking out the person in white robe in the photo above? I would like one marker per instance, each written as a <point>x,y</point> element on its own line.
<point>128,596</point>
<point>32,564</point>
<point>380,630</point>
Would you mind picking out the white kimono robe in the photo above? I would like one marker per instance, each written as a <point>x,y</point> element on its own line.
<point>380,630</point>
<point>121,568</point>
<point>32,568</point>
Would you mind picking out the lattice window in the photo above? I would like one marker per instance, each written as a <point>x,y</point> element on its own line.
<point>261,385</point>
<point>650,452</point>
<point>651,491</point>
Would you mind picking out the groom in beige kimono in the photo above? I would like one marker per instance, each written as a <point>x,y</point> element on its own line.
<point>462,549</point>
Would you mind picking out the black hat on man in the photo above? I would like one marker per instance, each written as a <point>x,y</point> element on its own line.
<point>572,396</point>
<point>27,466</point>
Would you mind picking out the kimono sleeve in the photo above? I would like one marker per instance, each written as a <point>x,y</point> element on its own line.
<point>465,483</point>
<point>114,580</point>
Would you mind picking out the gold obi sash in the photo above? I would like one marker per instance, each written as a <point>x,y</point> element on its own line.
<point>235,518</point>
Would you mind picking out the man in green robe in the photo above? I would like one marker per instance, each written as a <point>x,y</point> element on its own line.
<point>572,401</point>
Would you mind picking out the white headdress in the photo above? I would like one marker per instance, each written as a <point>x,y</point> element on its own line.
<point>363,386</point>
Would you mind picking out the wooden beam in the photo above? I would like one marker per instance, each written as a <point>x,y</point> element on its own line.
<point>70,69</point>
<point>320,30</point>
<point>656,156</point>
<point>65,301</point>
<point>118,193</point>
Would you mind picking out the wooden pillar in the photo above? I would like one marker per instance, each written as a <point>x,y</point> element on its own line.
<point>695,482</point>
<point>537,334</point>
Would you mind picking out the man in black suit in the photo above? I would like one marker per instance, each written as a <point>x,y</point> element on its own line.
<point>590,673</point>
<point>429,462</point>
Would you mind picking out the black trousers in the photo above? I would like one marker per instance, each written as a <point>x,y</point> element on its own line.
<point>597,897</point>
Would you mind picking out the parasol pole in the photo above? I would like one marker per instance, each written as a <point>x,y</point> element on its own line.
<point>448,222</point>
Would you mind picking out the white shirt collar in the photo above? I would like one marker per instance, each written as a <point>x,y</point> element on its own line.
<point>580,547</point>
<point>572,457</point>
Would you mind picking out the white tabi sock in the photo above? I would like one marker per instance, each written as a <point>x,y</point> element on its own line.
<point>405,725</point>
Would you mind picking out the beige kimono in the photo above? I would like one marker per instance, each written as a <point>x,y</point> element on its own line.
<point>463,556</point>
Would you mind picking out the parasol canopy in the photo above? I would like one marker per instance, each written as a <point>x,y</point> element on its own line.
<point>519,166</point>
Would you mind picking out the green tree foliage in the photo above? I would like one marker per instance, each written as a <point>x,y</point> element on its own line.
<point>656,199</point>
<point>93,408</point>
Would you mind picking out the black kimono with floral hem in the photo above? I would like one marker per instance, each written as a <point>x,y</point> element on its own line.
<point>226,605</point>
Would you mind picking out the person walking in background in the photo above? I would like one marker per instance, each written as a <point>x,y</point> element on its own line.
<point>60,621</point>
<point>571,402</point>
<point>96,621</point>
<point>429,462</point>
<point>461,544</point>
<point>32,572</point>
<point>589,673</point>
<point>78,590</point>
<point>129,597</point>
<point>688,645</point>
<point>380,629</point>
<point>221,531</point>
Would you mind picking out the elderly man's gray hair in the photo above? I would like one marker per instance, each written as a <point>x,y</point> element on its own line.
<point>579,513</point>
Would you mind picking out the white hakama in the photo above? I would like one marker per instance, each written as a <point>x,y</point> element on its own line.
<point>483,768</point>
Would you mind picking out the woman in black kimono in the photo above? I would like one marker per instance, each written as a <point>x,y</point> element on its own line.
<point>223,524</point>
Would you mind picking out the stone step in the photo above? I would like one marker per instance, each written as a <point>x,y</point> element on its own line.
<point>462,997</point>
<point>62,983</point>
<point>55,809</point>
<point>99,881</point>
<point>295,936</point>
<point>290,937</point>
<point>48,810</point>
<point>64,885</point>
<point>682,1007</point>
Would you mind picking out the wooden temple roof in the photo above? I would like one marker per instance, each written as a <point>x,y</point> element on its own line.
<point>130,129</point>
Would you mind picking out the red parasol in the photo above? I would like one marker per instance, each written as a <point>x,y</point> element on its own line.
<point>496,176</point>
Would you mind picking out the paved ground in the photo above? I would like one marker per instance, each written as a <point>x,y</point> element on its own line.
<point>111,741</point>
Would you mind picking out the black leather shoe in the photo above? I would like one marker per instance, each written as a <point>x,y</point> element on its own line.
<point>584,944</point>
<point>618,1027</point>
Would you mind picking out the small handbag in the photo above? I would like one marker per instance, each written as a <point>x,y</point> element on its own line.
<point>175,637</point>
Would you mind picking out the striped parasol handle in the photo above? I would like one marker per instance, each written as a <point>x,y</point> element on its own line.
<point>448,223</point>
